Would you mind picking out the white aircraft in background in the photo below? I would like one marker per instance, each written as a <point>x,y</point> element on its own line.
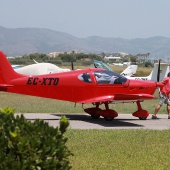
<point>15,66</point>
<point>156,74</point>
<point>40,68</point>
<point>122,64</point>
<point>118,64</point>
<point>129,71</point>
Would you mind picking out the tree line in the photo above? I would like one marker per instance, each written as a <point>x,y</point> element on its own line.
<point>61,59</point>
<point>78,59</point>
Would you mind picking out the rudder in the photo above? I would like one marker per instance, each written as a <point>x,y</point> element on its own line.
<point>7,73</point>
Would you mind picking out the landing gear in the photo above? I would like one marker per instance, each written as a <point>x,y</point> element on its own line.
<point>93,111</point>
<point>96,112</point>
<point>140,113</point>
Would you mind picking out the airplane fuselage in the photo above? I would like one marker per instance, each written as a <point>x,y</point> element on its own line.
<point>70,86</point>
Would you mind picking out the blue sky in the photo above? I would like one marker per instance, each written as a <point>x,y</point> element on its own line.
<point>82,18</point>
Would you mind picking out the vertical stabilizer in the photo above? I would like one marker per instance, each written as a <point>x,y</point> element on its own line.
<point>164,69</point>
<point>7,73</point>
<point>130,70</point>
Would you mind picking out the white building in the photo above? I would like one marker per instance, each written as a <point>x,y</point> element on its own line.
<point>110,58</point>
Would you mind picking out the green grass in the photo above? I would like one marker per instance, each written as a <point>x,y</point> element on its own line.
<point>119,149</point>
<point>30,104</point>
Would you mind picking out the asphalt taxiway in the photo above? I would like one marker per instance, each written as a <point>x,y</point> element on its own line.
<point>84,121</point>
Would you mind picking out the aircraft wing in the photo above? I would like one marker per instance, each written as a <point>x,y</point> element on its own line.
<point>119,97</point>
<point>133,97</point>
<point>97,99</point>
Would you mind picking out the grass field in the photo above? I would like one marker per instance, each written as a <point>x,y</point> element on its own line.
<point>119,149</point>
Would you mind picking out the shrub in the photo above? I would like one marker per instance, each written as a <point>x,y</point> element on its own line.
<point>148,64</point>
<point>32,145</point>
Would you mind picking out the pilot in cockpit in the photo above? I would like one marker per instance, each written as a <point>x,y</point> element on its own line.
<point>112,79</point>
<point>105,78</point>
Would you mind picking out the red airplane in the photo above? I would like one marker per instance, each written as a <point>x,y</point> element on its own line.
<point>97,86</point>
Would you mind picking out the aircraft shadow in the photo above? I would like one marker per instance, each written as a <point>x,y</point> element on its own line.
<point>101,121</point>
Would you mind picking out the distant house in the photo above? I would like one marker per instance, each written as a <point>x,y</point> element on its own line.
<point>114,59</point>
<point>54,54</point>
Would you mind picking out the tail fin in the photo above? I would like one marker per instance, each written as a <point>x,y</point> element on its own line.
<point>7,73</point>
<point>164,69</point>
<point>130,71</point>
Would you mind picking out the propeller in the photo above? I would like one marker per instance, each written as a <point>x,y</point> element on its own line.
<point>158,74</point>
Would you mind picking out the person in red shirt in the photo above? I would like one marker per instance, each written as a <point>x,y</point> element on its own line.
<point>164,97</point>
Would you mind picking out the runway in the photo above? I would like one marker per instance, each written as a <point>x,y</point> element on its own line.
<point>84,121</point>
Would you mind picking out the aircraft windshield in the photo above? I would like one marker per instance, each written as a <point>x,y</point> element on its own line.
<point>109,77</point>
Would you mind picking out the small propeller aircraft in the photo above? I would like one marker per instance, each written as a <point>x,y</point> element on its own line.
<point>15,66</point>
<point>40,68</point>
<point>96,85</point>
<point>159,72</point>
<point>130,71</point>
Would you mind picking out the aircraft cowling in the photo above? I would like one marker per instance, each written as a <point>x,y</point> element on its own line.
<point>140,86</point>
<point>160,85</point>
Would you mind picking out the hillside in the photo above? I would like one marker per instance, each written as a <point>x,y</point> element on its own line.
<point>22,41</point>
